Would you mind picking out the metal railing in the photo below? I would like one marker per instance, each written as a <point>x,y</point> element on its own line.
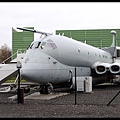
<point>19,51</point>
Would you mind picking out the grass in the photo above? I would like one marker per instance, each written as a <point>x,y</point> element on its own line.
<point>12,81</point>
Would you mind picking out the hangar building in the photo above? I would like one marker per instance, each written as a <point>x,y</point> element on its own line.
<point>21,40</point>
<point>95,37</point>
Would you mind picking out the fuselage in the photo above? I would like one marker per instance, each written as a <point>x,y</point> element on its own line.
<point>49,59</point>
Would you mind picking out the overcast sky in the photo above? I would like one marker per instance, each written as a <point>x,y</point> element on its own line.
<point>51,16</point>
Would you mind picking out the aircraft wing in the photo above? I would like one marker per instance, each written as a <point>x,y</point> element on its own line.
<point>1,65</point>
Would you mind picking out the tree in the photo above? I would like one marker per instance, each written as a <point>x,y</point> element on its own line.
<point>5,54</point>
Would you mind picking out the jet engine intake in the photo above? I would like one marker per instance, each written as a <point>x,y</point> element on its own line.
<point>115,68</point>
<point>102,68</point>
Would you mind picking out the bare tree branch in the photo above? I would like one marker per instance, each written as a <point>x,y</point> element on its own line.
<point>5,52</point>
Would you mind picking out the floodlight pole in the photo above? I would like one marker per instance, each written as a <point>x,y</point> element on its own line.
<point>114,45</point>
<point>113,98</point>
<point>19,78</point>
<point>75,88</point>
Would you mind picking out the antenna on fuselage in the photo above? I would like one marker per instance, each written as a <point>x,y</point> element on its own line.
<point>31,30</point>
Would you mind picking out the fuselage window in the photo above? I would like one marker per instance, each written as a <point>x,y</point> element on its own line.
<point>53,45</point>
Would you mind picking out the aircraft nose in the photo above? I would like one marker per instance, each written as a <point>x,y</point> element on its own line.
<point>24,75</point>
<point>21,73</point>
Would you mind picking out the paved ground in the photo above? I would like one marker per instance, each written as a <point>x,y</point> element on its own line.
<point>86,105</point>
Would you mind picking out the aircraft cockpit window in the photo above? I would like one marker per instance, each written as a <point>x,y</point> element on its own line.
<point>31,46</point>
<point>38,45</point>
<point>35,45</point>
<point>43,45</point>
<point>48,45</point>
<point>53,45</point>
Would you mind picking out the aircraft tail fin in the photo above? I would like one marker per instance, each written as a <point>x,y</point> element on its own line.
<point>112,49</point>
<point>113,32</point>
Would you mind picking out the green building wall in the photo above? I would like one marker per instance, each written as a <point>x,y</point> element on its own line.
<point>95,37</point>
<point>21,40</point>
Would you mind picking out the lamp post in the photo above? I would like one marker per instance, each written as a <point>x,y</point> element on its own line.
<point>75,88</point>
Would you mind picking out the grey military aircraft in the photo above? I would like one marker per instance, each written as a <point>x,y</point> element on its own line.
<point>51,61</point>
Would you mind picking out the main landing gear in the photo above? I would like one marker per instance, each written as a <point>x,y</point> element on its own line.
<point>46,88</point>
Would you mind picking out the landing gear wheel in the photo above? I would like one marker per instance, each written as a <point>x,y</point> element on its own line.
<point>46,89</point>
<point>26,89</point>
<point>41,90</point>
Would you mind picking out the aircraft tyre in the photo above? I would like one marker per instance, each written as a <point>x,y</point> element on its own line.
<point>41,90</point>
<point>46,89</point>
<point>26,89</point>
